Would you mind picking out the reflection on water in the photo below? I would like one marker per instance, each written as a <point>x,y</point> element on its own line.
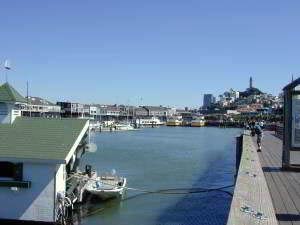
<point>163,158</point>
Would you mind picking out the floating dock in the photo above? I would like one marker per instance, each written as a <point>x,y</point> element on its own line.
<point>264,193</point>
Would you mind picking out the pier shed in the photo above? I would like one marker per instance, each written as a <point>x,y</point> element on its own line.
<point>35,154</point>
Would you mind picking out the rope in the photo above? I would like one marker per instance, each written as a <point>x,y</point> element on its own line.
<point>181,191</point>
<point>170,191</point>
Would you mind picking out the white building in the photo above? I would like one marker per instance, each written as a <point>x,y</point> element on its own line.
<point>36,106</point>
<point>35,156</point>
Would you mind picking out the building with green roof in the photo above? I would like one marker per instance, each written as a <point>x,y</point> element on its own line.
<point>36,155</point>
<point>10,100</point>
<point>11,95</point>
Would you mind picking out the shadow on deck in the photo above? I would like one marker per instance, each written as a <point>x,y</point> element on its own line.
<point>284,186</point>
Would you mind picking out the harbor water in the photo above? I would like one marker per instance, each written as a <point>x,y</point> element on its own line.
<point>163,158</point>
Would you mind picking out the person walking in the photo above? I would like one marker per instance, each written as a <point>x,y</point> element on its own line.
<point>252,127</point>
<point>259,134</point>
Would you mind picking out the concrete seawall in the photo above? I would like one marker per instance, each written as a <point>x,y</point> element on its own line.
<point>252,203</point>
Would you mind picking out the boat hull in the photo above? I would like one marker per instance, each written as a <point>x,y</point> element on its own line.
<point>105,194</point>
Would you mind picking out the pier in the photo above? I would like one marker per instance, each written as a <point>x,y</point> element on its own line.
<point>264,193</point>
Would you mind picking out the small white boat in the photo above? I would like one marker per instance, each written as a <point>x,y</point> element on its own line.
<point>149,122</point>
<point>125,126</point>
<point>107,187</point>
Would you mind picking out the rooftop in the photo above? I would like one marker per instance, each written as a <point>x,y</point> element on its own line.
<point>9,94</point>
<point>40,138</point>
<point>155,108</point>
<point>38,101</point>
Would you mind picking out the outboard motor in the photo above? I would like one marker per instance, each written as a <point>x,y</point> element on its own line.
<point>88,170</point>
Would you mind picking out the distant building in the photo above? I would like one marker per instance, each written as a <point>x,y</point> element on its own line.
<point>71,109</point>
<point>110,111</point>
<point>39,107</point>
<point>11,102</point>
<point>208,100</point>
<point>157,111</point>
<point>141,112</point>
<point>91,111</point>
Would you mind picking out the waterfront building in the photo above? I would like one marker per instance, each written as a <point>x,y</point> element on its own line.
<point>110,111</point>
<point>71,109</point>
<point>39,107</point>
<point>91,111</point>
<point>157,111</point>
<point>36,157</point>
<point>185,115</point>
<point>11,102</point>
<point>141,112</point>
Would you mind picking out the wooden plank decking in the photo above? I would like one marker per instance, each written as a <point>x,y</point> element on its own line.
<point>284,186</point>
<point>251,203</point>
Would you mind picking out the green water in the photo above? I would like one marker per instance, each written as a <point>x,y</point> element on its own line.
<point>165,157</point>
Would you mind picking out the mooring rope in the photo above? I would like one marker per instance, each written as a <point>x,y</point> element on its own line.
<point>168,191</point>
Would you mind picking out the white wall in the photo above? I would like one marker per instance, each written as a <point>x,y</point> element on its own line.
<point>35,203</point>
<point>60,183</point>
<point>5,113</point>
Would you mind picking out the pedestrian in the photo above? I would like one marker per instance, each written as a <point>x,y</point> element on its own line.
<point>259,134</point>
<point>252,127</point>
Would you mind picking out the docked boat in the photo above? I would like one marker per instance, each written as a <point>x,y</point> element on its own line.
<point>154,121</point>
<point>174,122</point>
<point>107,187</point>
<point>93,126</point>
<point>198,122</point>
<point>124,127</point>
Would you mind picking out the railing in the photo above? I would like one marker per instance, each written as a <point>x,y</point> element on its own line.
<point>279,131</point>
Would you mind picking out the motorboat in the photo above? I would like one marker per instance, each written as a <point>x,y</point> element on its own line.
<point>124,126</point>
<point>198,122</point>
<point>107,186</point>
<point>154,121</point>
<point>174,121</point>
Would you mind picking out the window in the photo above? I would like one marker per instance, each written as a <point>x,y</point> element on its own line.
<point>11,175</point>
<point>7,170</point>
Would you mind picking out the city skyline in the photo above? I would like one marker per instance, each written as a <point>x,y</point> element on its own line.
<point>167,53</point>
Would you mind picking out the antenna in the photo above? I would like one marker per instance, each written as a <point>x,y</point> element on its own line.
<point>7,67</point>
<point>27,93</point>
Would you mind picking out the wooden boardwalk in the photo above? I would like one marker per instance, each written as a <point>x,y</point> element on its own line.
<point>284,186</point>
<point>251,203</point>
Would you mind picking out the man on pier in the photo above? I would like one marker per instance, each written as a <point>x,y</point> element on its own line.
<point>259,133</point>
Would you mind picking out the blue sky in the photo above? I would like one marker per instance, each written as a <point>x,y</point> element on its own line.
<point>167,52</point>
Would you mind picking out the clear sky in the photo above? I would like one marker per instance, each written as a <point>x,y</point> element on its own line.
<point>167,52</point>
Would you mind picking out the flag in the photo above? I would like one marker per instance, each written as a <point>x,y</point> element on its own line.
<point>7,65</point>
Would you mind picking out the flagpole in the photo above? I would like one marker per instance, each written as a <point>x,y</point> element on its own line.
<point>6,67</point>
